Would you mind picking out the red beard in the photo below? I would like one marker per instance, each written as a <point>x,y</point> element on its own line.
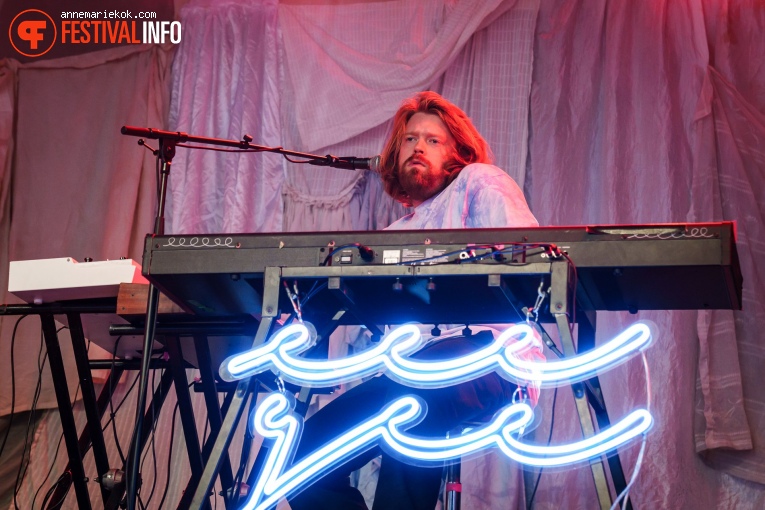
<point>420,182</point>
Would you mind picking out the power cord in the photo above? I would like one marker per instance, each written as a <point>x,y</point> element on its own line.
<point>13,383</point>
<point>639,461</point>
<point>31,422</point>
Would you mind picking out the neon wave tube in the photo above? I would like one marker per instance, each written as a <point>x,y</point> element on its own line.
<point>277,422</point>
<point>392,356</point>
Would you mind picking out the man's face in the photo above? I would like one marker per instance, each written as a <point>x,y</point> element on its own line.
<point>426,146</point>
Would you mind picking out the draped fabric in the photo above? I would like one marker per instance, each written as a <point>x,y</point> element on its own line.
<point>225,81</point>
<point>654,114</point>
<point>731,435</point>
<point>71,186</point>
<point>78,188</point>
<point>603,111</point>
<point>7,114</point>
<point>273,76</point>
<point>353,74</point>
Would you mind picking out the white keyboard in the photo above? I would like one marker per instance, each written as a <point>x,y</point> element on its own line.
<point>63,279</point>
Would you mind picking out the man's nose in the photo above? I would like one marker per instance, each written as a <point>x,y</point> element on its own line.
<point>419,146</point>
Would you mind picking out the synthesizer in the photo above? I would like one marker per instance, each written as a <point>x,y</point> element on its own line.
<point>437,275</point>
<point>65,279</point>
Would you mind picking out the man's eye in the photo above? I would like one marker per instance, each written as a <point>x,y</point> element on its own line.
<point>434,141</point>
<point>409,138</point>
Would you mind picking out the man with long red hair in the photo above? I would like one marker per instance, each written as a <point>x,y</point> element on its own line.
<point>435,161</point>
<point>434,147</point>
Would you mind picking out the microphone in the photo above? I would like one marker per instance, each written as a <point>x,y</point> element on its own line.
<point>349,163</point>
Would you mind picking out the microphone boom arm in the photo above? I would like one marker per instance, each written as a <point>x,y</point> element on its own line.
<point>179,137</point>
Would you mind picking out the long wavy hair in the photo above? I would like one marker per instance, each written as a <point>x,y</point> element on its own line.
<point>470,147</point>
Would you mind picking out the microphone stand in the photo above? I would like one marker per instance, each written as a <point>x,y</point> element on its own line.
<point>167,144</point>
<point>168,141</point>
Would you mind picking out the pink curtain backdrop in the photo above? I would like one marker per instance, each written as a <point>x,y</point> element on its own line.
<point>603,111</point>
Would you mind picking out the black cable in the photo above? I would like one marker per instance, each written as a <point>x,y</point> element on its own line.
<point>111,418</point>
<point>296,161</point>
<point>153,438</point>
<point>154,423</point>
<point>315,288</point>
<point>13,384</point>
<point>111,402</point>
<point>31,422</point>
<point>244,460</point>
<point>218,149</point>
<point>204,435</point>
<point>50,470</point>
<point>549,440</point>
<point>49,493</point>
<point>576,282</point>
<point>52,490</point>
<point>169,455</point>
<point>494,253</point>
<point>170,452</point>
<point>205,431</point>
<point>364,252</point>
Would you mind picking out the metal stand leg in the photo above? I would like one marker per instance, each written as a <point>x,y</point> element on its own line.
<point>594,396</point>
<point>149,421</point>
<point>188,423</point>
<point>585,419</point>
<point>96,435</point>
<point>59,495</point>
<point>452,486</point>
<point>214,415</point>
<point>271,280</point>
<point>65,410</point>
<point>586,393</point>
<point>222,442</point>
